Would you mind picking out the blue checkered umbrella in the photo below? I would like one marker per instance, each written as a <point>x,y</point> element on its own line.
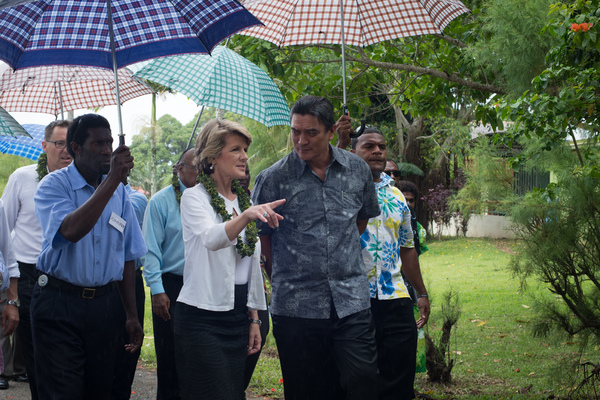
<point>22,146</point>
<point>9,126</point>
<point>113,33</point>
<point>225,80</point>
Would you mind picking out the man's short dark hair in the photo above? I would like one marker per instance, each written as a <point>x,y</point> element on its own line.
<point>49,129</point>
<point>78,129</point>
<point>319,107</point>
<point>367,130</point>
<point>408,186</point>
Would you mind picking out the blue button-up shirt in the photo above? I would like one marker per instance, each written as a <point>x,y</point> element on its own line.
<point>139,203</point>
<point>316,250</point>
<point>99,257</point>
<point>163,233</point>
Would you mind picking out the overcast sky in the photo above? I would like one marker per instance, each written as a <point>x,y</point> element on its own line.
<point>135,113</point>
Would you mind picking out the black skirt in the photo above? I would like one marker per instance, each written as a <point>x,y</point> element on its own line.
<point>211,349</point>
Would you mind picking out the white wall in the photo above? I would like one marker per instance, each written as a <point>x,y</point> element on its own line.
<point>482,225</point>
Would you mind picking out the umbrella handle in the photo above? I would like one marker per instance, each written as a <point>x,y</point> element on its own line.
<point>359,131</point>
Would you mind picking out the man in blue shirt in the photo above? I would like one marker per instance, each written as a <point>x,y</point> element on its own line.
<point>320,300</point>
<point>90,242</point>
<point>163,269</point>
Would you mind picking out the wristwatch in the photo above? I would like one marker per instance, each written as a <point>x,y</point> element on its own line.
<point>15,302</point>
<point>255,321</point>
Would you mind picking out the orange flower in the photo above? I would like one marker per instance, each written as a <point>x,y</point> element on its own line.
<point>584,27</point>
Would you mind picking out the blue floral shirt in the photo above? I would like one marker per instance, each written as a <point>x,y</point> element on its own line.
<point>382,240</point>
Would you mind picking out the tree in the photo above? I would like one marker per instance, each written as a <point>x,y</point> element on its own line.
<point>172,138</point>
<point>566,100</point>
<point>411,84</point>
<point>560,225</point>
<point>268,146</point>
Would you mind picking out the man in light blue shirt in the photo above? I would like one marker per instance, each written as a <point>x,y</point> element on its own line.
<point>90,242</point>
<point>163,269</point>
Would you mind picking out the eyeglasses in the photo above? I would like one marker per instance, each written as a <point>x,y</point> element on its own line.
<point>58,144</point>
<point>394,172</point>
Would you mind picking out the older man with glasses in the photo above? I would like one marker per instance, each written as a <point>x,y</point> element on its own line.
<point>27,239</point>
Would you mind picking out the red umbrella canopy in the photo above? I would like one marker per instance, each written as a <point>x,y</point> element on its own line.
<point>294,22</point>
<point>58,88</point>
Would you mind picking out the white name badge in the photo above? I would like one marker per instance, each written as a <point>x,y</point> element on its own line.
<point>117,222</point>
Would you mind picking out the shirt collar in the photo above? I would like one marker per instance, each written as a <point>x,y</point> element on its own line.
<point>77,180</point>
<point>182,187</point>
<point>385,181</point>
<point>337,155</point>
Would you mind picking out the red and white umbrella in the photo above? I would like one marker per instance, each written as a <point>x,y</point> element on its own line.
<point>56,89</point>
<point>349,22</point>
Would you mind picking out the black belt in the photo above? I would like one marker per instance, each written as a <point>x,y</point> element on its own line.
<point>28,269</point>
<point>80,291</point>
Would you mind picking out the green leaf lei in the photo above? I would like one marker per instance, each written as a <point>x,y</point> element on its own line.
<point>217,202</point>
<point>176,188</point>
<point>42,166</point>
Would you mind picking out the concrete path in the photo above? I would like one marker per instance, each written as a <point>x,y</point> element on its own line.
<point>144,388</point>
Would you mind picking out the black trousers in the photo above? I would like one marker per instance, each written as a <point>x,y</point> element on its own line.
<point>327,359</point>
<point>25,286</point>
<point>74,343</point>
<point>126,362</point>
<point>164,342</point>
<point>396,336</point>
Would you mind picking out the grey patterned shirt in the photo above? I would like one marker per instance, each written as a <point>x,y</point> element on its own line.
<point>316,249</point>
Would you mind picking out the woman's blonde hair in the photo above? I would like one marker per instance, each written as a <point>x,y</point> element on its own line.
<point>211,141</point>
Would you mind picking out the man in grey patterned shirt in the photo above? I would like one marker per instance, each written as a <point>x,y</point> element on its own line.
<point>320,303</point>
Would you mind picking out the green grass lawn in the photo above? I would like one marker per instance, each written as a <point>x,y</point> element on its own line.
<point>495,353</point>
<point>148,355</point>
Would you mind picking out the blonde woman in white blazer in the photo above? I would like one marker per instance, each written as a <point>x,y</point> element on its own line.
<point>216,322</point>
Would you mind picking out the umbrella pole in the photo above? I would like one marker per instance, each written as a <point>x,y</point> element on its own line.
<point>114,60</point>
<point>194,130</point>
<point>62,111</point>
<point>344,107</point>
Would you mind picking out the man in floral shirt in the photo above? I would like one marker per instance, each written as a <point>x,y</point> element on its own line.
<point>388,248</point>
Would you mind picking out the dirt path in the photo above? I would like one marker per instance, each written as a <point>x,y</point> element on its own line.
<point>144,388</point>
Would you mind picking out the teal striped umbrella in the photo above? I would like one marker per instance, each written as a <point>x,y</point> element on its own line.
<point>9,126</point>
<point>223,80</point>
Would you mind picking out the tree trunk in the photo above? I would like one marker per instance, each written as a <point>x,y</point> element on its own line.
<point>153,183</point>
